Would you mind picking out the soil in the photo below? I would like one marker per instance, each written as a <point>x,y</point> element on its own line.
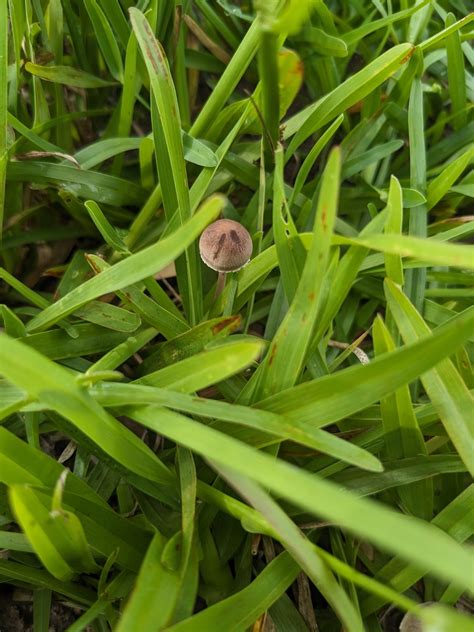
<point>17,616</point>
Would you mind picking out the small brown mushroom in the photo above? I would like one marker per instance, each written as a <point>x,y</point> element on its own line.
<point>225,246</point>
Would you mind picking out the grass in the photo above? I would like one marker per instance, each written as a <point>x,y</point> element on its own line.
<point>295,452</point>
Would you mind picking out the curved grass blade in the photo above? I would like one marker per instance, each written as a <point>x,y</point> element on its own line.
<point>67,76</point>
<point>334,397</point>
<point>267,428</point>
<point>106,229</point>
<point>154,596</point>
<point>206,368</point>
<point>344,96</point>
<point>93,185</point>
<point>242,609</point>
<point>440,185</point>
<point>54,386</point>
<point>442,383</point>
<point>138,266</point>
<point>56,536</point>
<point>301,549</point>
<point>410,538</point>
<point>105,39</point>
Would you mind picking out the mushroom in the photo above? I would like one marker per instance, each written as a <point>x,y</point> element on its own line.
<point>412,623</point>
<point>225,246</point>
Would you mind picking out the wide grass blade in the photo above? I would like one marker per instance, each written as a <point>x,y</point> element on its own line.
<point>402,535</point>
<point>334,397</point>
<point>135,268</point>
<point>68,76</point>
<point>155,592</point>
<point>54,386</point>
<point>301,549</point>
<point>403,437</point>
<point>344,96</point>
<point>56,535</point>
<point>241,610</point>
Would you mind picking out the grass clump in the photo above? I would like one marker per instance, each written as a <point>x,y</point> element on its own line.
<point>290,449</point>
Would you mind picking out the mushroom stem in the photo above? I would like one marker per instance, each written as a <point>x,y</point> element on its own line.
<point>220,284</point>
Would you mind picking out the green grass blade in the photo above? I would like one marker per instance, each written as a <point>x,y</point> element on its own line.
<point>333,397</point>
<point>263,423</point>
<point>241,610</point>
<point>227,82</point>
<point>169,125</point>
<point>403,437</point>
<point>115,16</point>
<point>107,231</point>
<point>206,368</point>
<point>3,107</point>
<point>393,263</point>
<point>407,537</point>
<point>301,549</point>
<point>286,355</point>
<point>443,383</point>
<point>106,39</point>
<point>416,278</point>
<point>440,185</point>
<point>456,76</point>
<point>429,251</point>
<point>53,385</point>
<point>135,268</point>
<point>56,535</point>
<point>152,600</point>
<point>351,91</point>
<point>68,76</point>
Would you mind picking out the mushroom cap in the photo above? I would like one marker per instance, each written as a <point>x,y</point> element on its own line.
<point>225,246</point>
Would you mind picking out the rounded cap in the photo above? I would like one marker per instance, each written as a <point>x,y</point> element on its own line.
<point>411,623</point>
<point>225,246</point>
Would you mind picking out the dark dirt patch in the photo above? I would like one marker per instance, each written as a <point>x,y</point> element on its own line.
<point>17,616</point>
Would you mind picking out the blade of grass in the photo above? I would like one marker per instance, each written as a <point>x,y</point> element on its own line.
<point>105,39</point>
<point>334,397</point>
<point>54,386</point>
<point>301,549</point>
<point>405,536</point>
<point>155,592</point>
<point>443,383</point>
<point>206,368</point>
<point>286,355</point>
<point>68,76</point>
<point>265,424</point>
<point>403,437</point>
<point>429,251</point>
<point>344,96</point>
<point>242,609</point>
<point>416,278</point>
<point>3,107</point>
<point>393,263</point>
<point>456,76</point>
<point>139,266</point>
<point>440,185</point>
<point>168,126</point>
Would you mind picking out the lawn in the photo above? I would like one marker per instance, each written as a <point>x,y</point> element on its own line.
<point>236,317</point>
